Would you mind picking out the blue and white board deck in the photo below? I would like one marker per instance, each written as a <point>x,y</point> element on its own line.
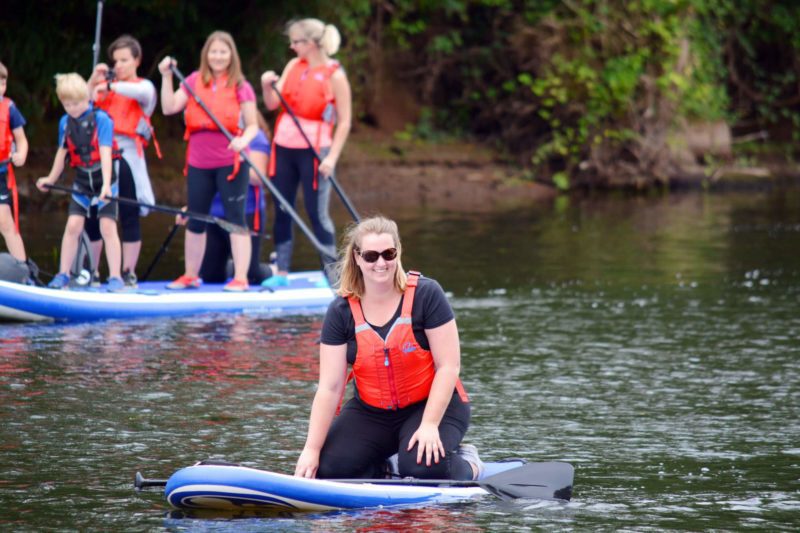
<point>239,488</point>
<point>307,292</point>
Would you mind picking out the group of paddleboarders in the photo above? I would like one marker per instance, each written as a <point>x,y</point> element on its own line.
<point>107,126</point>
<point>397,330</point>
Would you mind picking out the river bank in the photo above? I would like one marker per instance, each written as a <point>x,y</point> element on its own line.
<point>380,172</point>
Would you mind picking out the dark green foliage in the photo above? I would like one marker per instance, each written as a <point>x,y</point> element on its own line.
<point>576,89</point>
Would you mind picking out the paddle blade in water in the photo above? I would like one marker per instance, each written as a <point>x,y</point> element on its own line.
<point>546,481</point>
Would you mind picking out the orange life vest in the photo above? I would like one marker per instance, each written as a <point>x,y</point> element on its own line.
<point>308,93</point>
<point>127,114</point>
<point>397,372</point>
<point>6,140</point>
<point>223,102</point>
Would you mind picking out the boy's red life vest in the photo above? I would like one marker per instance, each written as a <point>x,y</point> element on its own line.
<point>82,142</point>
<point>395,373</point>
<point>308,93</point>
<point>6,140</point>
<point>128,114</point>
<point>223,102</point>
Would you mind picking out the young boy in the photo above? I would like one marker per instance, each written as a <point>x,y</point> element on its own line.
<point>86,135</point>
<point>13,149</point>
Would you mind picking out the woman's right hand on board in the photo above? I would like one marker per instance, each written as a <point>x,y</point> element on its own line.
<point>307,464</point>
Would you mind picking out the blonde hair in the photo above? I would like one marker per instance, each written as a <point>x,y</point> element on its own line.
<point>71,87</point>
<point>3,72</point>
<point>351,280</point>
<point>235,75</point>
<point>325,36</point>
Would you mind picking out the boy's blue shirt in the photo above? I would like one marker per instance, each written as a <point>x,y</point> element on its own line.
<point>105,128</point>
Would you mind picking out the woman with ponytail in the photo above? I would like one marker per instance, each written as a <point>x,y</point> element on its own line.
<point>316,89</point>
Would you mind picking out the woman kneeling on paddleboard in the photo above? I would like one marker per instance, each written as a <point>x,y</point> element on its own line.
<point>399,333</point>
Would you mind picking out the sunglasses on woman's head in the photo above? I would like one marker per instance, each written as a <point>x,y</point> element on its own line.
<point>371,256</point>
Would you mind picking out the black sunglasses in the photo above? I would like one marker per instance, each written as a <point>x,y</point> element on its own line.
<point>371,256</point>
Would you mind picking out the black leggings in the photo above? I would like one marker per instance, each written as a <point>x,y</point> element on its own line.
<point>128,214</point>
<point>294,167</point>
<point>204,183</point>
<point>218,251</point>
<point>362,437</point>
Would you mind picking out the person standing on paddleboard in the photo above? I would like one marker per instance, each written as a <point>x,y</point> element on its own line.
<point>317,92</point>
<point>130,101</point>
<point>216,261</point>
<point>399,333</point>
<point>213,163</point>
<point>13,153</point>
<point>86,141</point>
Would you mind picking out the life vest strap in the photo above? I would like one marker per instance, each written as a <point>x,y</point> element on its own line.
<point>12,186</point>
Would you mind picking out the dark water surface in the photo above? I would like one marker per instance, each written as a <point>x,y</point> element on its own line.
<point>651,342</point>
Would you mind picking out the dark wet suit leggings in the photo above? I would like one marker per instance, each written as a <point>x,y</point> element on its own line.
<point>128,214</point>
<point>294,167</point>
<point>362,437</point>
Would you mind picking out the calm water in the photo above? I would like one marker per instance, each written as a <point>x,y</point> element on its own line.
<point>651,342</point>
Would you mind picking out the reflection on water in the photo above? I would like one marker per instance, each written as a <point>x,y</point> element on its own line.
<point>652,342</point>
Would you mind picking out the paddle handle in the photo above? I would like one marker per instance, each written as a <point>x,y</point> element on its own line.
<point>140,482</point>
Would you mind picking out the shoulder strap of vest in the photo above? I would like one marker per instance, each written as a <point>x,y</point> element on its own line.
<point>355,308</point>
<point>411,289</point>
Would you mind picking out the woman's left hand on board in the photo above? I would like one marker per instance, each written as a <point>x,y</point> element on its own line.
<point>429,444</point>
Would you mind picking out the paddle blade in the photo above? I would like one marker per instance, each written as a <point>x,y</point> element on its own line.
<point>545,481</point>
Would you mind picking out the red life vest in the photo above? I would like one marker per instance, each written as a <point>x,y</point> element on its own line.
<point>308,93</point>
<point>82,143</point>
<point>127,114</point>
<point>223,102</point>
<point>397,372</point>
<point>6,140</point>
<point>6,136</point>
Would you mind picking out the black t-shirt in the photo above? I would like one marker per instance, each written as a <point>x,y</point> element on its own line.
<point>430,310</point>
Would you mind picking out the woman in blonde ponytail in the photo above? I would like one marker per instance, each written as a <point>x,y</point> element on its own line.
<point>316,89</point>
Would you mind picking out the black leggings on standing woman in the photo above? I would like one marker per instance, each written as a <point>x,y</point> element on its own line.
<point>295,167</point>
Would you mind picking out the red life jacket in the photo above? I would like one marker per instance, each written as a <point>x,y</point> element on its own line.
<point>395,373</point>
<point>127,114</point>
<point>223,103</point>
<point>6,136</point>
<point>6,140</point>
<point>82,143</point>
<point>308,93</point>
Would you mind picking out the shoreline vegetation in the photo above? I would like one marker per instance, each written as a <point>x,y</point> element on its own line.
<point>639,95</point>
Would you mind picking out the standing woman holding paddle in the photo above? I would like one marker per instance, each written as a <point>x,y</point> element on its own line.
<point>130,101</point>
<point>317,92</point>
<point>399,333</point>
<point>213,163</point>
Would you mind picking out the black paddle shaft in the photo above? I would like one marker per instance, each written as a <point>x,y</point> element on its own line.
<point>230,227</point>
<point>345,200</point>
<point>161,251</point>
<point>267,183</point>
